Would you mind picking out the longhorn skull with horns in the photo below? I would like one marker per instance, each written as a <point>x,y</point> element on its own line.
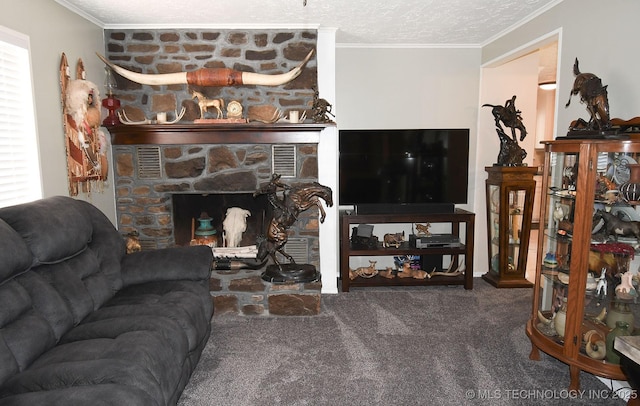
<point>210,76</point>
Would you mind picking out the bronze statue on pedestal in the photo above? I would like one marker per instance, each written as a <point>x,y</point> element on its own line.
<point>511,154</point>
<point>595,96</point>
<point>285,211</point>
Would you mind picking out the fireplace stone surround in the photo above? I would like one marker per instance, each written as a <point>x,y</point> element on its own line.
<point>154,162</point>
<point>269,51</point>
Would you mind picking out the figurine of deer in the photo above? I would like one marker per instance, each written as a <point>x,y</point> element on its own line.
<point>364,271</point>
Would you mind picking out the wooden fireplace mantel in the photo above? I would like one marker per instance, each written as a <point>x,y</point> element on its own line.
<point>205,133</point>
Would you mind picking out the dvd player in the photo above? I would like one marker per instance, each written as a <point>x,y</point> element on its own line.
<point>433,240</point>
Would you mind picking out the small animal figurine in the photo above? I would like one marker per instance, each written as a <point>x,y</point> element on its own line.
<point>408,272</point>
<point>601,288</point>
<point>365,271</point>
<point>388,273</point>
<point>132,242</point>
<point>205,103</point>
<point>393,239</point>
<point>423,229</point>
<point>617,227</point>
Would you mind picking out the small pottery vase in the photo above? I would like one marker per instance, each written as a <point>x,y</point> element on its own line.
<point>622,329</point>
<point>560,320</point>
<point>630,191</point>
<point>205,234</point>
<point>620,311</point>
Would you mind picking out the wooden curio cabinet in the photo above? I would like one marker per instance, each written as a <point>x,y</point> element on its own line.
<point>509,192</point>
<point>577,298</point>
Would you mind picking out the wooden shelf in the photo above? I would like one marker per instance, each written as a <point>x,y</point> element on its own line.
<point>458,218</point>
<point>224,133</point>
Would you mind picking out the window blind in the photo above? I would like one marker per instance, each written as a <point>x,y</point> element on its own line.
<point>19,164</point>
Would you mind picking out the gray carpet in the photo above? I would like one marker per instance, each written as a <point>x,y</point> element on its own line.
<point>402,346</point>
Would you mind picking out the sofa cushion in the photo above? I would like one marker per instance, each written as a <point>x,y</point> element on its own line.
<point>185,303</point>
<point>80,283</point>
<point>83,374</point>
<point>15,256</point>
<point>54,228</point>
<point>106,244</point>
<point>24,333</point>
<point>103,394</point>
<point>138,351</point>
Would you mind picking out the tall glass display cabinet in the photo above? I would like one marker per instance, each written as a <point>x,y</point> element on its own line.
<point>585,291</point>
<point>509,191</point>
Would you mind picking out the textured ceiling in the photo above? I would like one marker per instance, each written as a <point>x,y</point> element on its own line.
<point>372,22</point>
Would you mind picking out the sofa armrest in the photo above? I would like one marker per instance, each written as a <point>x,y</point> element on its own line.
<point>176,263</point>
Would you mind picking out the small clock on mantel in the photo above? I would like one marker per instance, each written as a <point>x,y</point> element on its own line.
<point>234,109</point>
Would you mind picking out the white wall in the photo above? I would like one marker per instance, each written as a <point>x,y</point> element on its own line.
<point>410,88</point>
<point>52,30</point>
<point>407,87</point>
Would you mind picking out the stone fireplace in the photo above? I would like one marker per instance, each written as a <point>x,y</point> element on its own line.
<point>155,164</point>
<point>165,176</point>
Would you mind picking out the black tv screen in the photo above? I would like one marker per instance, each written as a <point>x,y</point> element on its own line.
<point>418,166</point>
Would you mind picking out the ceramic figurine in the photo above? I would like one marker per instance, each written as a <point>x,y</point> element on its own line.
<point>601,287</point>
<point>550,260</point>
<point>394,239</point>
<point>625,289</point>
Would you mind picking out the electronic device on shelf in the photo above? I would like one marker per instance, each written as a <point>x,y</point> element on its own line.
<point>403,170</point>
<point>433,241</point>
<point>362,237</point>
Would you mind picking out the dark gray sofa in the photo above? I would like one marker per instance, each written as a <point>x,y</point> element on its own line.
<point>84,323</point>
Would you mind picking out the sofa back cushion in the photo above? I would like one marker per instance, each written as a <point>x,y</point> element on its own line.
<point>15,257</point>
<point>54,229</point>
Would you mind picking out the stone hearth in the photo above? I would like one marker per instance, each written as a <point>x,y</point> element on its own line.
<point>243,292</point>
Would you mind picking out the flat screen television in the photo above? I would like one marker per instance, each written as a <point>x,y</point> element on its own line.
<point>403,167</point>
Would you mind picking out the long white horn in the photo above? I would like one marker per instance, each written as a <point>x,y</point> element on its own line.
<point>145,79</point>
<point>209,76</point>
<point>249,78</point>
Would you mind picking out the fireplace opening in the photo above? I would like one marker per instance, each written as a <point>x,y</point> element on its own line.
<point>187,208</point>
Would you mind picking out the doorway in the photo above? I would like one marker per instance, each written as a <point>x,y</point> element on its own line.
<point>522,73</point>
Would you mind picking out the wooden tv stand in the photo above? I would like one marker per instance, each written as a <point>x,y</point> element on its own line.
<point>457,219</point>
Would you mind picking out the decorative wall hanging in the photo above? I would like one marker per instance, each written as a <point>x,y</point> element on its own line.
<point>86,144</point>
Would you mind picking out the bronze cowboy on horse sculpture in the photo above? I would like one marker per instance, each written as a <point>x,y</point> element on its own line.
<point>511,154</point>
<point>285,212</point>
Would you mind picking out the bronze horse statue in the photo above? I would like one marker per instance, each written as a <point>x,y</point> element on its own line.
<point>294,201</point>
<point>509,116</point>
<point>595,96</point>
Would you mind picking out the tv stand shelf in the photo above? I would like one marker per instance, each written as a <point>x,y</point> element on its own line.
<point>458,219</point>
